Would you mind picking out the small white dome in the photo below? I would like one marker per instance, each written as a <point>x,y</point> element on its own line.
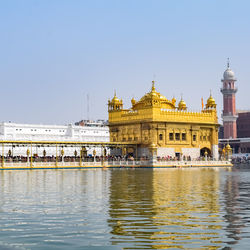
<point>228,74</point>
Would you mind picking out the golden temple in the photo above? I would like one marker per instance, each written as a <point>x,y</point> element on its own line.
<point>161,128</point>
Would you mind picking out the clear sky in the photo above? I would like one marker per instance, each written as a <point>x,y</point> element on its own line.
<point>55,52</point>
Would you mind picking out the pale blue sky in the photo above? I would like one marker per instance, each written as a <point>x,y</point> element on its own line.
<point>54,53</point>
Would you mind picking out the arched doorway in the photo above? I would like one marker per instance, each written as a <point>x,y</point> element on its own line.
<point>203,150</point>
<point>130,152</point>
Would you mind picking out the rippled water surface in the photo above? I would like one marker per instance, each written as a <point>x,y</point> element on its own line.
<point>125,209</point>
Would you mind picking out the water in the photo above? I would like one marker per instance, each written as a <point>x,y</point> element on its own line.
<point>125,209</point>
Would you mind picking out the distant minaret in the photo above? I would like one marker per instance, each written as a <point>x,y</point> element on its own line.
<point>229,115</point>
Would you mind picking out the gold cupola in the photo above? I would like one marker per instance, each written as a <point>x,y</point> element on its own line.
<point>153,99</point>
<point>210,102</point>
<point>115,103</point>
<point>228,147</point>
<point>133,101</point>
<point>182,105</point>
<point>173,100</point>
<point>153,90</point>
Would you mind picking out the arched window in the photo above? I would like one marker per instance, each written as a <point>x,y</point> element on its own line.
<point>183,136</point>
<point>171,136</point>
<point>177,136</point>
<point>160,137</point>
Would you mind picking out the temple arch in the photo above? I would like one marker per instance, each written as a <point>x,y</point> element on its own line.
<point>203,150</point>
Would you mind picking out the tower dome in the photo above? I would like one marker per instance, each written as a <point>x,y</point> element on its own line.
<point>228,73</point>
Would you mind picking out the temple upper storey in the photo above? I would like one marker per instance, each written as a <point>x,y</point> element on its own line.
<point>156,107</point>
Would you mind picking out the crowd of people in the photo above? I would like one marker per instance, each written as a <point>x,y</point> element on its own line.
<point>91,158</point>
<point>244,159</point>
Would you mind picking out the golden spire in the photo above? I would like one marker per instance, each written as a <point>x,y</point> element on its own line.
<point>153,86</point>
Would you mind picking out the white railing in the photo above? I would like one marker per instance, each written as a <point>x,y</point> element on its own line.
<point>122,163</point>
<point>192,163</point>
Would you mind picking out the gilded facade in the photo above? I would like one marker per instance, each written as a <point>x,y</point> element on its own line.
<point>161,127</point>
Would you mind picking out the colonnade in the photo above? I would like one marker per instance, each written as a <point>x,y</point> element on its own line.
<point>30,151</point>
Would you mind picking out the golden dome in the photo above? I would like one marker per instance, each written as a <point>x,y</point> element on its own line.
<point>228,147</point>
<point>154,98</point>
<point>133,101</point>
<point>173,100</point>
<point>182,105</point>
<point>115,103</point>
<point>210,102</point>
<point>115,99</point>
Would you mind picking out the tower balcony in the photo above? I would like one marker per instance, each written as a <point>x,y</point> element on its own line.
<point>229,117</point>
<point>228,91</point>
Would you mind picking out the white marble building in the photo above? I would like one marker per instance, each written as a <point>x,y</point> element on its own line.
<point>90,132</point>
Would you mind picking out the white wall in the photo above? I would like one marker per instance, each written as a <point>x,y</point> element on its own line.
<point>192,152</point>
<point>164,152</point>
<point>38,132</point>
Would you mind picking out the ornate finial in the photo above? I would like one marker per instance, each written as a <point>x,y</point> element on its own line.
<point>181,97</point>
<point>228,62</point>
<point>154,77</point>
<point>173,100</point>
<point>182,104</point>
<point>133,101</point>
<point>210,92</point>
<point>153,85</point>
<point>115,93</point>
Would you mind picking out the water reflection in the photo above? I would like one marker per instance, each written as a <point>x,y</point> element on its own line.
<point>53,209</point>
<point>173,208</point>
<point>125,208</point>
<point>237,201</point>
